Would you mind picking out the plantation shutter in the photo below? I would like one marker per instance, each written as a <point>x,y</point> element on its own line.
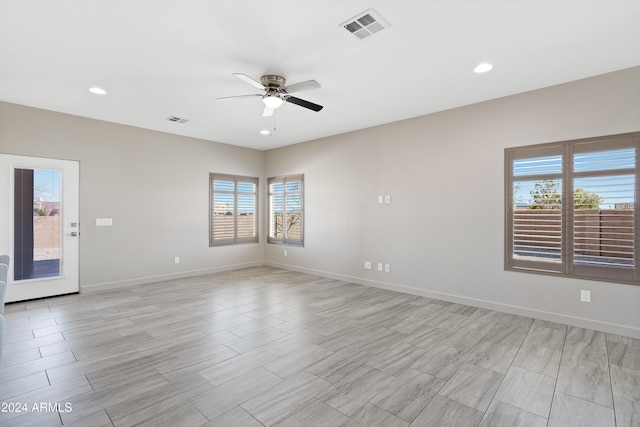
<point>233,210</point>
<point>536,210</point>
<point>276,210</point>
<point>246,218</point>
<point>286,210</point>
<point>570,208</point>
<point>293,200</point>
<point>604,193</point>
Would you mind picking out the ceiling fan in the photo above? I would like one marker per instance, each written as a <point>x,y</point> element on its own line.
<point>275,92</point>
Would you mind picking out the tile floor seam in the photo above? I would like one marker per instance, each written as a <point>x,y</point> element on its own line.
<point>555,383</point>
<point>613,397</point>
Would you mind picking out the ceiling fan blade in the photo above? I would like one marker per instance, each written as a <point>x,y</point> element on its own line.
<point>303,103</point>
<point>224,98</point>
<point>249,80</point>
<point>267,112</point>
<point>298,87</point>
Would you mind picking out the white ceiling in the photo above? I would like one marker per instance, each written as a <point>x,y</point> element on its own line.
<point>158,58</point>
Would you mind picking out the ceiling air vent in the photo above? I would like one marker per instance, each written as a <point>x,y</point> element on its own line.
<point>365,24</point>
<point>177,119</point>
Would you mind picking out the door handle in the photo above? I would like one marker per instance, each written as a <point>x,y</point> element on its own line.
<point>73,234</point>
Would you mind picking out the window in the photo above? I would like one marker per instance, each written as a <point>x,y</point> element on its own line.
<point>570,208</point>
<point>233,210</point>
<point>286,210</point>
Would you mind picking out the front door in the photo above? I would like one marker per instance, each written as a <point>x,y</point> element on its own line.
<point>40,227</point>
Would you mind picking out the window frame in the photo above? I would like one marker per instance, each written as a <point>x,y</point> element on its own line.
<point>235,240</point>
<point>567,149</point>
<point>285,240</point>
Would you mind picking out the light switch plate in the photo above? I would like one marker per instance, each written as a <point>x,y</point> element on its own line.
<point>104,222</point>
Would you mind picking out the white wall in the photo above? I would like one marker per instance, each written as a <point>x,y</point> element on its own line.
<point>436,168</point>
<point>154,185</point>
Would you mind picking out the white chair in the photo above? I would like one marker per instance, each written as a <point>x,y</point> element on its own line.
<point>3,285</point>
<point>1,334</point>
<point>4,273</point>
<point>4,270</point>
<point>3,295</point>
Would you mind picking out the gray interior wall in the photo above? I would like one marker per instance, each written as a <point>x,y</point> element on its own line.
<point>154,185</point>
<point>443,233</point>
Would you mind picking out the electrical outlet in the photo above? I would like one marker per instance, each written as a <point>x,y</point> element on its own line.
<point>387,268</point>
<point>176,260</point>
<point>387,199</point>
<point>379,266</point>
<point>286,253</point>
<point>381,199</point>
<point>585,296</point>
<point>367,265</point>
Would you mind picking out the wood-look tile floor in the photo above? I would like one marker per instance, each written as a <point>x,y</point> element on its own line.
<point>263,346</point>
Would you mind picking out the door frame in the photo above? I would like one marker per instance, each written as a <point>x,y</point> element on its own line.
<point>69,279</point>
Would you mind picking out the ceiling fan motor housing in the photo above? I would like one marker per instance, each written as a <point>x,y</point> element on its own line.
<point>271,81</point>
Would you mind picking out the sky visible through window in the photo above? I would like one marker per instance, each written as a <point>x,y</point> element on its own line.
<point>46,184</point>
<point>245,201</point>
<point>616,192</point>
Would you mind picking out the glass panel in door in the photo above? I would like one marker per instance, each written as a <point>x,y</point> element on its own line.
<point>37,224</point>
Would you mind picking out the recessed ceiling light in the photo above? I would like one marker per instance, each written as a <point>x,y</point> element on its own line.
<point>265,132</point>
<point>483,68</point>
<point>97,90</point>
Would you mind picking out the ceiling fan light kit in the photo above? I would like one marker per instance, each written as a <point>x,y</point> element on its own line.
<point>272,100</point>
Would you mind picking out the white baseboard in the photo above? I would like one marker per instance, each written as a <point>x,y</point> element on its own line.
<point>96,287</point>
<point>580,322</point>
